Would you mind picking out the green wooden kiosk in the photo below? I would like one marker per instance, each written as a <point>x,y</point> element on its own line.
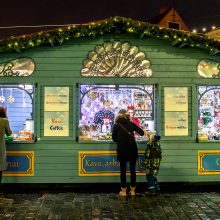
<point>55,85</point>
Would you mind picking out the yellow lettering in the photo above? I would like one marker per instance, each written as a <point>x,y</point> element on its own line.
<point>218,162</point>
<point>13,164</point>
<point>111,163</point>
<point>93,164</point>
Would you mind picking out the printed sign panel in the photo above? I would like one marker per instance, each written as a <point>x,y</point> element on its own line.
<point>176,99</point>
<point>176,123</point>
<point>56,123</point>
<point>56,99</point>
<point>208,162</point>
<point>103,163</point>
<point>20,163</point>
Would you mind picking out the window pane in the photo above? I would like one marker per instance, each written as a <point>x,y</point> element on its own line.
<point>100,104</point>
<point>209,113</point>
<point>18,99</point>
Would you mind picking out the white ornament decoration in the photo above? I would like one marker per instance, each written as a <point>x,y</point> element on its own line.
<point>2,99</point>
<point>11,99</point>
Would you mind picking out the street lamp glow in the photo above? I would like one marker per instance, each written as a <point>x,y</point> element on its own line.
<point>194,31</point>
<point>213,27</point>
<point>204,29</point>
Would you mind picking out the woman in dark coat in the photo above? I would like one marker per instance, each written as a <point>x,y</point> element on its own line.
<point>4,130</point>
<point>123,134</point>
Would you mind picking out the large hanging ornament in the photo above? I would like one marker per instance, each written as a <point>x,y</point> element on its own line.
<point>11,99</point>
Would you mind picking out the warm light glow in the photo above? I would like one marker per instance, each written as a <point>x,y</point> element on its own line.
<point>204,29</point>
<point>194,31</point>
<point>213,27</point>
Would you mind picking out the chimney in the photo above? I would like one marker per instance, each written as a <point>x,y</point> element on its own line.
<point>163,9</point>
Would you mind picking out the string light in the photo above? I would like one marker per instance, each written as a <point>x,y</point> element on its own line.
<point>115,25</point>
<point>204,29</point>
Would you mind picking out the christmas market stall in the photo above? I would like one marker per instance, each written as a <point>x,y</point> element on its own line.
<point>63,89</point>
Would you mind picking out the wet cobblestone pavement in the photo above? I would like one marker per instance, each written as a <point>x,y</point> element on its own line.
<point>103,206</point>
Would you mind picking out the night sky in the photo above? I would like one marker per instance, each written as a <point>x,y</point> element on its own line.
<point>196,13</point>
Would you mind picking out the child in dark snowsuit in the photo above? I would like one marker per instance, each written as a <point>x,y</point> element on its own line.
<point>152,163</point>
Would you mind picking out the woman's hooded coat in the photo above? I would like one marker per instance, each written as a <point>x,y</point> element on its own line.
<point>4,129</point>
<point>126,144</point>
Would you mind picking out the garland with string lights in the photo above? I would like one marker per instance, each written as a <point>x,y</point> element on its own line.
<point>115,25</point>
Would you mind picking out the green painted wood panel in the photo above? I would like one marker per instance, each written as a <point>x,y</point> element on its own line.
<point>56,159</point>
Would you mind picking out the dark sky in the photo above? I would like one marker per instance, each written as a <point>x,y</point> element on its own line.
<point>195,13</point>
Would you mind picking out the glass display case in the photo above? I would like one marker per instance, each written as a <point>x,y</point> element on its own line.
<point>100,104</point>
<point>18,99</point>
<point>209,113</point>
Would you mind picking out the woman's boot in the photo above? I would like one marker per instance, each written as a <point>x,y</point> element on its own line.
<point>132,191</point>
<point>123,192</point>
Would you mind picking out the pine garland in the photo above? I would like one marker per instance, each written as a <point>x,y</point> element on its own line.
<point>115,25</point>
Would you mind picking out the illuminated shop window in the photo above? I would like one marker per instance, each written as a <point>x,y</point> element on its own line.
<point>209,113</point>
<point>18,99</point>
<point>208,69</point>
<point>100,104</point>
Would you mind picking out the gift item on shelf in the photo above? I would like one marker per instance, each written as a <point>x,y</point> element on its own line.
<point>29,125</point>
<point>202,136</point>
<point>142,105</point>
<point>25,136</point>
<point>8,138</point>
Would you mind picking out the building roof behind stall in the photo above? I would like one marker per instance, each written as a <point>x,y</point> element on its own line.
<point>215,34</point>
<point>168,17</point>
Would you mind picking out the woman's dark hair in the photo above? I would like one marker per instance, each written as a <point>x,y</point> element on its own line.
<point>3,112</point>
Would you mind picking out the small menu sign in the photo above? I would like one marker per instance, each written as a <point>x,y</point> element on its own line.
<point>56,99</point>
<point>56,123</point>
<point>56,111</point>
<point>176,98</point>
<point>176,123</point>
<point>176,111</point>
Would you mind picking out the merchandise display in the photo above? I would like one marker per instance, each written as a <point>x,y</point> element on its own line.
<point>18,99</point>
<point>209,113</point>
<point>100,104</point>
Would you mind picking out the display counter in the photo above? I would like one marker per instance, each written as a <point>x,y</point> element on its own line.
<point>100,104</point>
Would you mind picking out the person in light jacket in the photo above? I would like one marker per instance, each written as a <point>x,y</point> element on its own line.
<point>123,134</point>
<point>4,130</point>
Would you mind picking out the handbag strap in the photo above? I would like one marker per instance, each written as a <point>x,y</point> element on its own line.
<point>126,130</point>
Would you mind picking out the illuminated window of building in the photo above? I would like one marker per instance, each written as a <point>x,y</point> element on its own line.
<point>174,25</point>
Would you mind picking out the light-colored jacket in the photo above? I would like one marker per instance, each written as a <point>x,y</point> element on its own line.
<point>4,129</point>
